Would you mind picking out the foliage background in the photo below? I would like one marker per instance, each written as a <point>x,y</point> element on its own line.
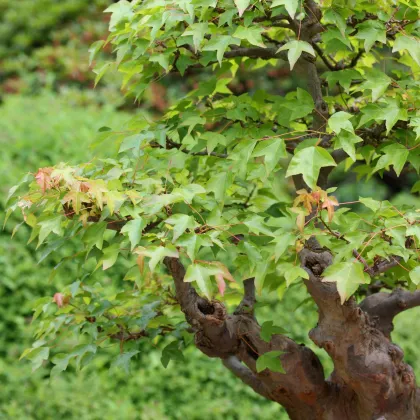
<point>49,113</point>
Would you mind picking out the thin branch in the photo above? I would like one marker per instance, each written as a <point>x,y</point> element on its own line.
<point>255,52</point>
<point>384,265</point>
<point>248,301</point>
<point>246,376</point>
<point>193,305</point>
<point>355,59</point>
<point>172,145</point>
<point>323,57</point>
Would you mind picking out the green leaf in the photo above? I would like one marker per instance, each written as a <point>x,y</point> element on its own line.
<point>100,72</point>
<point>348,276</point>
<point>370,203</point>
<point>132,142</point>
<point>272,150</point>
<point>409,43</point>
<point>344,77</point>
<point>48,226</point>
<point>396,155</point>
<point>416,187</point>
<point>163,59</point>
<point>94,235</point>
<point>191,242</point>
<point>256,225</point>
<point>198,31</point>
<point>219,184</point>
<point>157,254</point>
<point>309,162</point>
<point>340,121</point>
<point>393,113</point>
<point>415,122</point>
<point>213,140</point>
<point>332,16</point>
<point>220,44</point>
<point>110,256</point>
<point>201,275</point>
<point>94,49</point>
<point>123,360</point>
<point>242,5</point>
<point>241,154</point>
<point>371,31</point>
<point>181,223</point>
<point>415,275</point>
<point>268,329</point>
<point>270,360</point>
<point>294,272</point>
<point>295,49</point>
<point>376,81</point>
<point>282,243</point>
<point>252,34</point>
<point>171,352</point>
<point>346,140</point>
<point>134,230</point>
<point>61,362</point>
<point>260,275</point>
<point>37,356</point>
<point>306,104</point>
<point>290,5</point>
<point>120,11</point>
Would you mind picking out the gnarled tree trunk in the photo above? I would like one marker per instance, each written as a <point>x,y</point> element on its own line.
<point>370,379</point>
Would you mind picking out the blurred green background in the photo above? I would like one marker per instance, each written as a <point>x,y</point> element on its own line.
<point>49,113</point>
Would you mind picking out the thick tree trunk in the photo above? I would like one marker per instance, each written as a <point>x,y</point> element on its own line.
<point>370,379</point>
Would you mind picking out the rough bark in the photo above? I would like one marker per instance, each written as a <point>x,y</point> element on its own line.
<point>370,379</point>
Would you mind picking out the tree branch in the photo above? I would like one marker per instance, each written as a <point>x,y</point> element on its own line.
<point>256,52</point>
<point>172,145</point>
<point>246,376</point>
<point>323,58</point>
<point>247,304</point>
<point>383,307</point>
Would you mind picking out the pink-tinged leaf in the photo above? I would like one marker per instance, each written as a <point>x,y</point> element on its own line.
<point>43,178</point>
<point>84,187</point>
<point>220,283</point>
<point>226,273</point>
<point>59,299</point>
<point>329,204</point>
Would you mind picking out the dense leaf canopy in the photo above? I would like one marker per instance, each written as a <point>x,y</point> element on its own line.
<point>205,183</point>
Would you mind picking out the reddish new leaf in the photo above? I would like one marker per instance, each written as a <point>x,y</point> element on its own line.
<point>59,299</point>
<point>329,204</point>
<point>43,178</point>
<point>221,284</point>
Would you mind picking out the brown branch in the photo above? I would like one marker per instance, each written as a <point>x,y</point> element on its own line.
<point>172,145</point>
<point>353,61</point>
<point>384,307</point>
<point>246,376</point>
<point>384,265</point>
<point>255,52</point>
<point>194,307</point>
<point>247,304</point>
<point>235,51</point>
<point>322,55</point>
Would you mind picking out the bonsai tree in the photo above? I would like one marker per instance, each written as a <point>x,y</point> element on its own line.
<point>227,197</point>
